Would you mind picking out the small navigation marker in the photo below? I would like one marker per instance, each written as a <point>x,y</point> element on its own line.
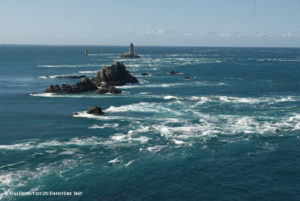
<point>85,52</point>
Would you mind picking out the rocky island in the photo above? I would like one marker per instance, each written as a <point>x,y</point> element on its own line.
<point>131,54</point>
<point>104,81</point>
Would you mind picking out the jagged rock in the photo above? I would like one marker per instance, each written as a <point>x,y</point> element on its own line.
<point>173,72</point>
<point>95,110</point>
<point>114,75</point>
<point>83,86</point>
<point>145,74</point>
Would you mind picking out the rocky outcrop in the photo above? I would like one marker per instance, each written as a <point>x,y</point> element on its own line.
<point>173,72</point>
<point>187,77</point>
<point>114,75</point>
<point>95,110</point>
<point>145,74</point>
<point>85,85</point>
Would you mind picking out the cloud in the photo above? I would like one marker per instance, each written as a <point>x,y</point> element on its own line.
<point>155,32</point>
<point>231,36</point>
<point>262,35</point>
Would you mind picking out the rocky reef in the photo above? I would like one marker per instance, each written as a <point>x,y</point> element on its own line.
<point>84,85</point>
<point>106,78</point>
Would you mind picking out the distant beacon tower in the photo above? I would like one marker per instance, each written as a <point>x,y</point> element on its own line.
<point>131,50</point>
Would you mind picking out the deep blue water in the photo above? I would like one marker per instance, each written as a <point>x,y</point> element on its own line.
<point>231,132</point>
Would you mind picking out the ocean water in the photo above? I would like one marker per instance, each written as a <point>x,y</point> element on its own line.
<point>231,132</point>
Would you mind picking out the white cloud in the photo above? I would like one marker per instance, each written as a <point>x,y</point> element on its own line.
<point>155,32</point>
<point>231,36</point>
<point>262,35</point>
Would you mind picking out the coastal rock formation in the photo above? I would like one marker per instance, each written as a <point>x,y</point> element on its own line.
<point>95,110</point>
<point>145,74</point>
<point>83,86</point>
<point>114,75</point>
<point>131,54</point>
<point>106,78</point>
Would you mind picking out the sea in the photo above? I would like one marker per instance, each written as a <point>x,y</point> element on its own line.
<point>229,133</point>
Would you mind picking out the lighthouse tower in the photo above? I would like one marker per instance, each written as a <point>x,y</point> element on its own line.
<point>131,50</point>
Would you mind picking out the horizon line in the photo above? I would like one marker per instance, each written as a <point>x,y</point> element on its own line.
<point>106,45</point>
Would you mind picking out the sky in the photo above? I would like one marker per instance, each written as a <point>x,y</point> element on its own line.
<point>246,23</point>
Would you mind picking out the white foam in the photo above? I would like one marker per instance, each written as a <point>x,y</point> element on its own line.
<point>106,125</point>
<point>143,107</point>
<point>170,97</point>
<point>84,114</point>
<point>116,160</point>
<point>155,148</point>
<point>245,100</point>
<point>129,163</point>
<point>87,72</point>
<point>129,138</point>
<point>145,93</point>
<point>178,142</point>
<point>43,94</point>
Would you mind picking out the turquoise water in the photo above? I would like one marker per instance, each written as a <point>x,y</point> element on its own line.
<point>231,132</point>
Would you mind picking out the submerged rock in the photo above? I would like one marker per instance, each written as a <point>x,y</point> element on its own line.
<point>114,75</point>
<point>173,72</point>
<point>187,77</point>
<point>95,110</point>
<point>145,74</point>
<point>83,86</point>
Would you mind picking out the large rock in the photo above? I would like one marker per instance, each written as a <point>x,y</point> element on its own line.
<point>95,110</point>
<point>85,85</point>
<point>114,75</point>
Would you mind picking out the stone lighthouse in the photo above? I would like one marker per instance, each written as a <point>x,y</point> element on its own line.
<point>131,54</point>
<point>131,50</point>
